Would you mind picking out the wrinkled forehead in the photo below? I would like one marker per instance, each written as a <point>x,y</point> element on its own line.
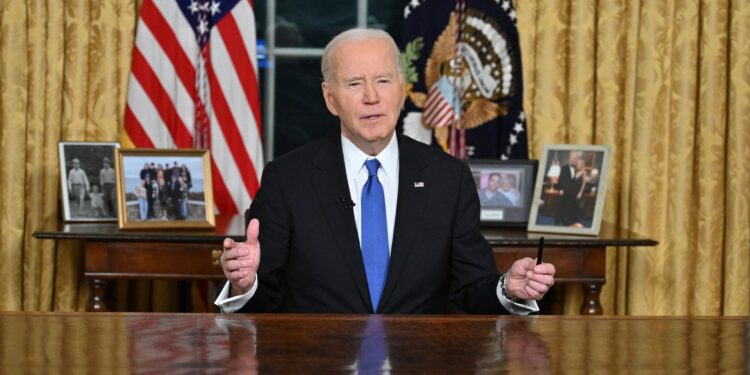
<point>364,56</point>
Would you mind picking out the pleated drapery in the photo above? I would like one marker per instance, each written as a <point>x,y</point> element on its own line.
<point>666,83</point>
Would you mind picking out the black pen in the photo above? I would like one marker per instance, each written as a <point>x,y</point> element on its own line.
<point>540,252</point>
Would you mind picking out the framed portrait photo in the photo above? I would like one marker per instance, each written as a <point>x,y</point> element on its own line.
<point>160,188</point>
<point>88,181</point>
<point>505,189</point>
<point>571,186</point>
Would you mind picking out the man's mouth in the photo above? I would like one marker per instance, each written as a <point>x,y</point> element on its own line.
<point>371,117</point>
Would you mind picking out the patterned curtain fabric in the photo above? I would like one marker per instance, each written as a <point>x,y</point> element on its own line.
<point>665,82</point>
<point>63,73</point>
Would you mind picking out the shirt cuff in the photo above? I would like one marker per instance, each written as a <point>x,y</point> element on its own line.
<point>231,304</point>
<point>516,308</point>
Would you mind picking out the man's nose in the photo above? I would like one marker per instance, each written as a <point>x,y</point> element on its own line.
<point>371,93</point>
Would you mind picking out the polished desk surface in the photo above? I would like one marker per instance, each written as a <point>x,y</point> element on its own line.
<point>233,226</point>
<point>198,343</point>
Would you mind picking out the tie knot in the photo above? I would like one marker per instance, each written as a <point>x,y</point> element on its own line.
<point>372,167</point>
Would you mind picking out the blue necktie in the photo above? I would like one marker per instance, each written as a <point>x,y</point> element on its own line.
<point>374,233</point>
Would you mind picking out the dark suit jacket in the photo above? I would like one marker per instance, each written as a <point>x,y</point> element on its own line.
<point>568,210</point>
<point>310,255</point>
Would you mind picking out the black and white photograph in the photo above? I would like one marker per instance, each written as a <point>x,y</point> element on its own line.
<point>570,189</point>
<point>164,189</point>
<point>504,188</point>
<point>88,181</point>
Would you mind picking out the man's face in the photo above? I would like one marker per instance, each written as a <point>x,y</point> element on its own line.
<point>493,183</point>
<point>366,92</point>
<point>76,164</point>
<point>505,184</point>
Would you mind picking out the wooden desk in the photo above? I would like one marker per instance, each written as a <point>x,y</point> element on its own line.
<point>196,343</point>
<point>113,254</point>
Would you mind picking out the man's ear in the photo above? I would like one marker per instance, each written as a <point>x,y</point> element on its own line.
<point>328,97</point>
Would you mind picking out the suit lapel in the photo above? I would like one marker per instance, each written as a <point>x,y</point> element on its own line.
<point>412,197</point>
<point>330,186</point>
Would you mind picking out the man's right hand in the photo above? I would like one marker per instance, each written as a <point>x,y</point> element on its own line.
<point>240,260</point>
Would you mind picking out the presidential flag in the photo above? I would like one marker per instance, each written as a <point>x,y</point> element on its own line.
<point>464,77</point>
<point>194,84</point>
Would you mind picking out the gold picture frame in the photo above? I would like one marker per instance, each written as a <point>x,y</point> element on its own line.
<point>164,189</point>
<point>570,190</point>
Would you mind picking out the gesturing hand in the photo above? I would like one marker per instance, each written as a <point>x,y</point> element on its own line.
<point>527,280</point>
<point>240,260</point>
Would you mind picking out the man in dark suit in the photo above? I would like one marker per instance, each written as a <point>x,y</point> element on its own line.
<point>366,221</point>
<point>570,186</point>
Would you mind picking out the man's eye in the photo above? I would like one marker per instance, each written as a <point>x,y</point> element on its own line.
<point>384,81</point>
<point>354,84</point>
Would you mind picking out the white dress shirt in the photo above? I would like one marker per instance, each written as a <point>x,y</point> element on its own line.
<point>356,176</point>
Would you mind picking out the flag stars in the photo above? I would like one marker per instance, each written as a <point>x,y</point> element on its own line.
<point>215,7</point>
<point>522,116</point>
<point>518,128</point>
<point>413,4</point>
<point>513,139</point>
<point>506,5</point>
<point>202,27</point>
<point>194,7</point>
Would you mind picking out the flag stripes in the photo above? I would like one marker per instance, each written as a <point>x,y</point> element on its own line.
<point>438,112</point>
<point>177,44</point>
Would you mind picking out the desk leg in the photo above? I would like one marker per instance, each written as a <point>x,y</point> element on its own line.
<point>591,305</point>
<point>97,295</point>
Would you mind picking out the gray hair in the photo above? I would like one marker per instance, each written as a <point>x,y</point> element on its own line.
<point>326,62</point>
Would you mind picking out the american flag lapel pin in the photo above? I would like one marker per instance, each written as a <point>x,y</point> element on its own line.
<point>418,184</point>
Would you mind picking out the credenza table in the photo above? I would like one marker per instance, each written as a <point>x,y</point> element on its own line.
<point>111,253</point>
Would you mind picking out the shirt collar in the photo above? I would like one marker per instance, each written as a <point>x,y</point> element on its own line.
<point>354,158</point>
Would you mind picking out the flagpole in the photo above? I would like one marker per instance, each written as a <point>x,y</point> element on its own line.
<point>268,115</point>
<point>458,147</point>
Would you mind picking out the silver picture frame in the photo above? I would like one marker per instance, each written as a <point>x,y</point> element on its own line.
<point>88,188</point>
<point>570,190</point>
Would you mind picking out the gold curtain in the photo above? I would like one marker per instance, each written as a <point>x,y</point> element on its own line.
<point>666,83</point>
<point>63,76</point>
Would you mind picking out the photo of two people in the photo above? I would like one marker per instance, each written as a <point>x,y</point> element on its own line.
<point>571,187</point>
<point>504,189</point>
<point>89,191</point>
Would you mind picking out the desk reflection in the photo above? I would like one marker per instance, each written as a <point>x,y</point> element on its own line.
<point>198,343</point>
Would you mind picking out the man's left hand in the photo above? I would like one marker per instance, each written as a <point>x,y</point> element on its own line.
<point>527,280</point>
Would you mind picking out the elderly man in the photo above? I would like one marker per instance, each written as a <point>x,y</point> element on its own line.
<point>367,221</point>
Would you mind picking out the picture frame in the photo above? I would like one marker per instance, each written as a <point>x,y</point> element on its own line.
<point>164,189</point>
<point>505,189</point>
<point>570,190</point>
<point>88,187</point>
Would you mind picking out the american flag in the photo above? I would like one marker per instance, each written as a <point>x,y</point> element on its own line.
<point>194,84</point>
<point>440,108</point>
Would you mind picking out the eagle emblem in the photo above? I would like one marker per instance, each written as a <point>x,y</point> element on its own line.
<point>468,75</point>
